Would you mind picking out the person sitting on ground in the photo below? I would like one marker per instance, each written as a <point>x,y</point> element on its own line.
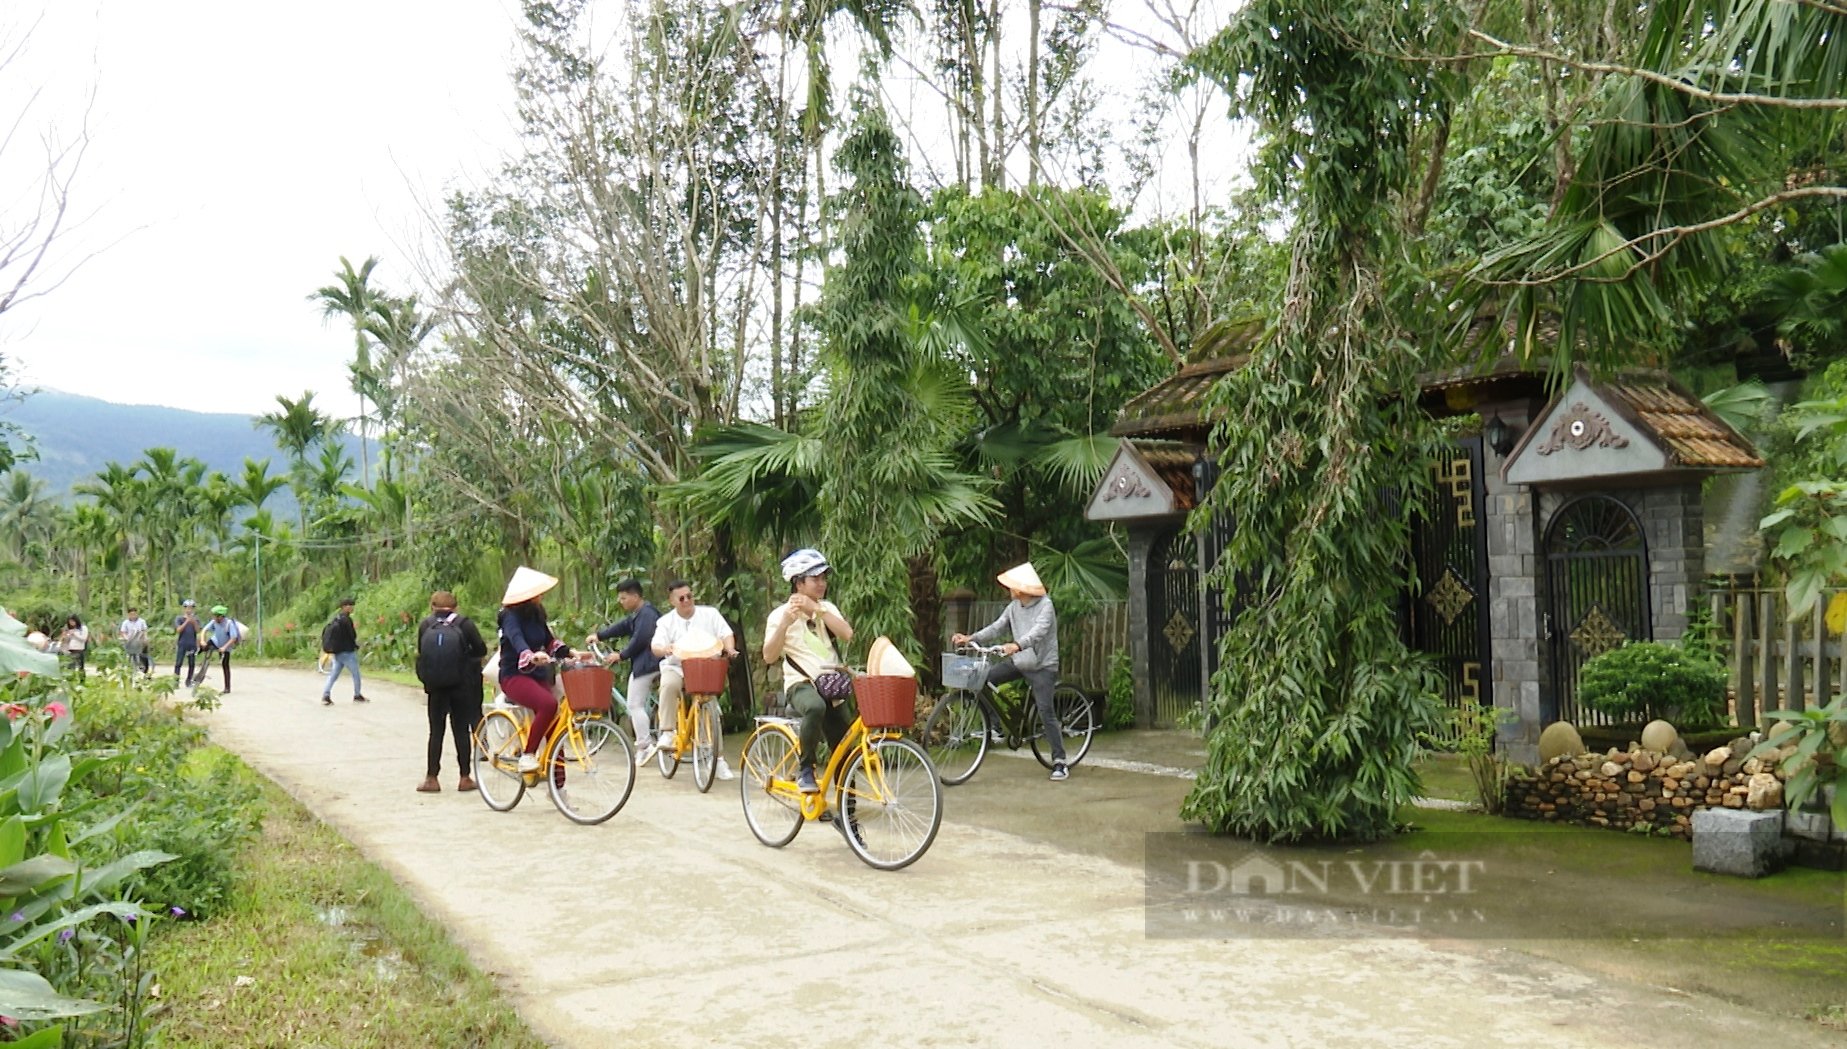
<point>644,666</point>
<point>221,636</point>
<point>1032,654</point>
<point>686,618</point>
<point>449,655</point>
<point>527,651</point>
<point>340,639</point>
<point>802,633</point>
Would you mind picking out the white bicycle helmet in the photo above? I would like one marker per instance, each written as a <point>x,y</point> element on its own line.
<point>803,562</point>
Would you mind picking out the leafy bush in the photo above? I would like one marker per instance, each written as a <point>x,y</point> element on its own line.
<point>1644,680</point>
<point>1470,730</point>
<point>1820,760</point>
<point>1120,712</point>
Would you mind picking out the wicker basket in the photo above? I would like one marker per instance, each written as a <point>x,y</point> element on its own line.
<point>960,671</point>
<point>588,688</point>
<point>705,677</point>
<point>886,702</point>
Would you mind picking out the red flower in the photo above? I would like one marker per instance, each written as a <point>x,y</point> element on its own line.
<point>14,711</point>
<point>57,710</point>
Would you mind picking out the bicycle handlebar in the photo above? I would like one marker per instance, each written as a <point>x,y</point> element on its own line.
<point>971,648</point>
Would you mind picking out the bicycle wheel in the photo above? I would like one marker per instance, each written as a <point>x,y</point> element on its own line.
<point>584,721</point>
<point>766,781</point>
<point>667,758</point>
<point>1077,722</point>
<point>891,802</point>
<point>599,772</point>
<point>498,741</point>
<point>705,749</point>
<point>956,736</point>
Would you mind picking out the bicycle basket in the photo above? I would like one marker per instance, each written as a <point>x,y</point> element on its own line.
<point>588,688</point>
<point>704,677</point>
<point>960,671</point>
<point>886,702</point>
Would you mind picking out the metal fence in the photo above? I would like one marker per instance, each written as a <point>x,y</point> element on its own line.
<point>1085,643</point>
<point>1775,663</point>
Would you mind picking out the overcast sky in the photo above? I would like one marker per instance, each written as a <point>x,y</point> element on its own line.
<point>237,151</point>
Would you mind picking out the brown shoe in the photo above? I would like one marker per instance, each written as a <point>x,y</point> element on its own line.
<point>429,786</point>
<point>465,783</point>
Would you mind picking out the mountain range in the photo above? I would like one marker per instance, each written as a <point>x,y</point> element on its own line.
<point>75,436</point>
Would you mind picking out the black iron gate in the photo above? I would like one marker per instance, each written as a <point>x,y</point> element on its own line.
<point>1173,625</point>
<point>1448,616</point>
<point>1597,594</point>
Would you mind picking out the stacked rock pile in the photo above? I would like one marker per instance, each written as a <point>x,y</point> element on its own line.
<point>1656,788</point>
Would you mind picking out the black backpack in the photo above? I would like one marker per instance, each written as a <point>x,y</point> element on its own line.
<point>327,639</point>
<point>442,653</point>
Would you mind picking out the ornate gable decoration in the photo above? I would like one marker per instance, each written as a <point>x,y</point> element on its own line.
<point>1584,437</point>
<point>1579,427</point>
<point>1130,488</point>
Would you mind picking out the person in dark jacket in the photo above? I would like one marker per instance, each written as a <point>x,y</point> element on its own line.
<point>452,683</point>
<point>644,666</point>
<point>340,640</point>
<point>527,651</point>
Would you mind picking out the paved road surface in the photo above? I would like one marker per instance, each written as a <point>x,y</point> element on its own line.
<point>996,937</point>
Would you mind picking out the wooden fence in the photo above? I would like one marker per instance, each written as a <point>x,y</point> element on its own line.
<point>1085,643</point>
<point>1774,663</point>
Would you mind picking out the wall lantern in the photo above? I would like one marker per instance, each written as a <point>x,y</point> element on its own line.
<point>1500,436</point>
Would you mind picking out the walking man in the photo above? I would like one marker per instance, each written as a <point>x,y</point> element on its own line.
<point>134,635</point>
<point>186,627</point>
<point>340,640</point>
<point>644,667</point>
<point>449,655</point>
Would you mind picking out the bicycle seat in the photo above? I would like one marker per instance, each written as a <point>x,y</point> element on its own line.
<point>775,719</point>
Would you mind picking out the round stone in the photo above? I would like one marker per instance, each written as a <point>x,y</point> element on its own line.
<point>1560,737</point>
<point>1659,736</point>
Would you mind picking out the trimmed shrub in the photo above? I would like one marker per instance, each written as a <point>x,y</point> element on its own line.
<point>1645,680</point>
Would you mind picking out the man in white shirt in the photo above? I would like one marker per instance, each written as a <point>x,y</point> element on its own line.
<point>684,618</point>
<point>134,635</point>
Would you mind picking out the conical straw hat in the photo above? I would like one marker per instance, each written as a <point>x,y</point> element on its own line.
<point>697,644</point>
<point>527,583</point>
<point>1023,579</point>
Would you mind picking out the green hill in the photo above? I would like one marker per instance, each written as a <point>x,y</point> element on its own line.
<point>75,436</point>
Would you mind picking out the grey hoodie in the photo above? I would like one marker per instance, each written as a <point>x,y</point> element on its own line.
<point>1033,625</point>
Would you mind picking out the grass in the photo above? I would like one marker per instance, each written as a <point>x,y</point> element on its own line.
<point>320,948</point>
<point>1445,776</point>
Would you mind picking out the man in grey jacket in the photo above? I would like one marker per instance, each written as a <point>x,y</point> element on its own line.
<point>1032,623</point>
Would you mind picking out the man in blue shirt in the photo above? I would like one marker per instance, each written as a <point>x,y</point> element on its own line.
<point>221,636</point>
<point>186,629</point>
<point>644,666</point>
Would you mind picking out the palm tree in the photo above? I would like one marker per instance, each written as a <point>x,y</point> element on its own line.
<point>400,326</point>
<point>298,427</point>
<point>256,485</point>
<point>25,512</point>
<point>352,297</point>
<point>118,491</point>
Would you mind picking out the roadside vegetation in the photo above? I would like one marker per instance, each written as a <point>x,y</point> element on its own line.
<point>155,891</point>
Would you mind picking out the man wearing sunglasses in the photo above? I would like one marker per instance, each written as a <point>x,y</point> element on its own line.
<point>686,617</point>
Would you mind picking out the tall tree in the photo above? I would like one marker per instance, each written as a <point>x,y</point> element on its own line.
<point>1317,702</point>
<point>299,427</point>
<point>353,298</point>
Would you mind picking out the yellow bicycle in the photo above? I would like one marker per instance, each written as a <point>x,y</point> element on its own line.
<point>878,787</point>
<point>586,758</point>
<point>697,737</point>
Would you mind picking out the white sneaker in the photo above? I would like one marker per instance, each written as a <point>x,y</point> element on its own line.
<point>665,742</point>
<point>529,763</point>
<point>646,754</point>
<point>724,770</point>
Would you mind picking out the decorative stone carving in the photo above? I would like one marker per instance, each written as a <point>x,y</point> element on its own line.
<point>1579,428</point>
<point>1125,485</point>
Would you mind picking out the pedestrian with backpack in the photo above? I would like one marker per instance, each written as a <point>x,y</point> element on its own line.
<point>340,640</point>
<point>449,655</point>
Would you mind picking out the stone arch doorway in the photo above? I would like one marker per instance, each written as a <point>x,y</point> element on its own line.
<point>1597,594</point>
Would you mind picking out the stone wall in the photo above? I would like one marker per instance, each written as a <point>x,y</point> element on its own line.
<point>1673,519</point>
<point>1626,789</point>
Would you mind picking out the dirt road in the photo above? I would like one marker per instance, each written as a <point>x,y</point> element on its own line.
<point>686,932</point>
